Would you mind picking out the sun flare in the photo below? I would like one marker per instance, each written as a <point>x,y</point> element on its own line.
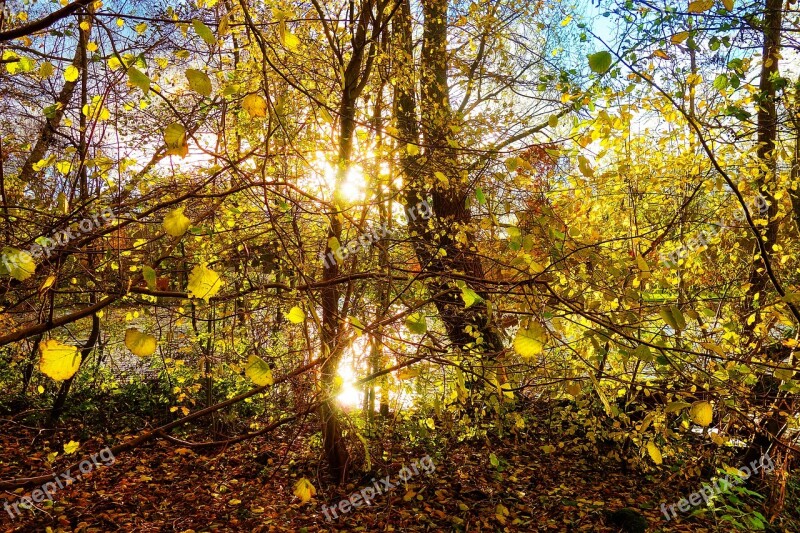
<point>352,188</point>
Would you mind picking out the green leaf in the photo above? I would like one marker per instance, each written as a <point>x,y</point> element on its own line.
<point>417,323</point>
<point>678,316</point>
<point>150,277</point>
<point>199,82</point>
<point>666,315</point>
<point>139,79</point>
<point>204,32</point>
<point>493,460</point>
<point>358,326</point>
<point>674,407</point>
<point>721,82</point>
<point>480,196</point>
<point>470,297</point>
<point>258,371</point>
<point>643,352</point>
<point>600,61</point>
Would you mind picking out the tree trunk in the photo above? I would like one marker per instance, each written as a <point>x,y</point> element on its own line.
<point>448,199</point>
<point>756,295</point>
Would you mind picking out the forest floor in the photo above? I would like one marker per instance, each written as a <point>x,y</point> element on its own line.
<point>517,483</point>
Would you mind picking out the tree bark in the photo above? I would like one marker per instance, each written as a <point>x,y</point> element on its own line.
<point>448,199</point>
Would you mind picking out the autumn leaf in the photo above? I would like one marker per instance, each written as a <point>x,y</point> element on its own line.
<point>204,283</point>
<point>71,73</point>
<point>58,361</point>
<point>699,6</point>
<point>529,342</point>
<point>255,105</point>
<point>138,79</point>
<point>304,490</point>
<point>71,447</point>
<point>199,81</point>
<point>17,263</point>
<point>204,32</point>
<point>139,343</point>
<point>295,315</point>
<point>416,323</point>
<point>175,139</point>
<point>654,453</point>
<point>258,371</point>
<point>701,413</point>
<point>176,223</point>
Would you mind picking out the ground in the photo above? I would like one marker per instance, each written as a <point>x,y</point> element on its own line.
<point>490,484</point>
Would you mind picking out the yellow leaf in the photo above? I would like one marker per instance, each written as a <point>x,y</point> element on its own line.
<point>176,223</point>
<point>290,40</point>
<point>59,361</point>
<point>18,264</point>
<point>199,81</point>
<point>71,73</point>
<point>412,149</point>
<point>529,342</point>
<point>46,69</point>
<point>204,283</point>
<point>678,38</point>
<point>699,6</point>
<point>661,53</point>
<point>175,139</point>
<point>655,453</point>
<point>47,283</point>
<point>304,490</point>
<point>258,371</point>
<point>728,4</point>
<point>295,315</point>
<point>585,166</point>
<point>71,447</point>
<point>255,105</point>
<point>139,343</point>
<point>701,413</point>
